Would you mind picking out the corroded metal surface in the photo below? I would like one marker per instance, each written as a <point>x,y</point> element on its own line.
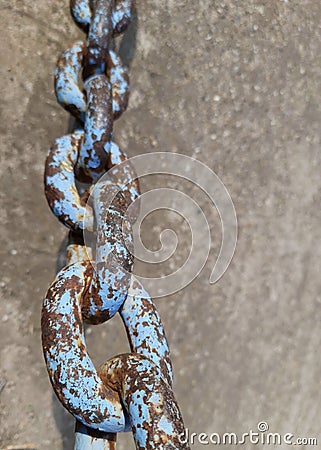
<point>60,184</point>
<point>72,373</point>
<point>87,438</point>
<point>121,14</point>
<point>62,194</point>
<point>93,154</point>
<point>131,391</point>
<point>154,414</point>
<point>67,75</point>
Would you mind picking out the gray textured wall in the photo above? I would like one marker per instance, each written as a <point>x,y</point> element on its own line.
<point>237,85</point>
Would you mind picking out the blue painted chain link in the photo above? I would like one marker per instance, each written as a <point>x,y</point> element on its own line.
<point>132,391</point>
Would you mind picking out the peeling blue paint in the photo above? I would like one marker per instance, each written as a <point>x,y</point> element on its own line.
<point>132,391</point>
<point>60,188</point>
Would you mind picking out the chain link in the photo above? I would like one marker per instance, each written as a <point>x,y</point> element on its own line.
<point>132,391</point>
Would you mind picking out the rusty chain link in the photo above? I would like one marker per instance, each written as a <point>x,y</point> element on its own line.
<point>133,391</point>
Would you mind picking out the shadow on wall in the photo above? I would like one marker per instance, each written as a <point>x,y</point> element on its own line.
<point>65,422</point>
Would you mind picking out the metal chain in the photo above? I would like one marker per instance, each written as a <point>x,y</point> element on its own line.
<point>132,391</point>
